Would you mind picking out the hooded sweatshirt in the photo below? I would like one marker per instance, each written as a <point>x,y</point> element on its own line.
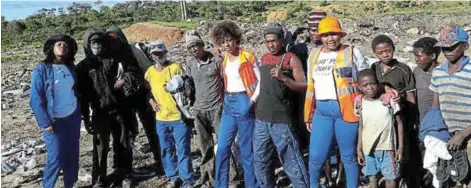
<point>97,76</point>
<point>134,79</point>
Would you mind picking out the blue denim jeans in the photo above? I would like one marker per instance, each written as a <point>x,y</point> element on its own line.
<point>63,150</point>
<point>237,117</point>
<point>174,139</point>
<point>328,125</point>
<point>268,136</point>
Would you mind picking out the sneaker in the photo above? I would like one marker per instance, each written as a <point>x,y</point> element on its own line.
<point>171,184</point>
<point>99,184</point>
<point>127,183</point>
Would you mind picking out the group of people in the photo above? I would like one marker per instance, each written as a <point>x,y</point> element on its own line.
<point>371,112</point>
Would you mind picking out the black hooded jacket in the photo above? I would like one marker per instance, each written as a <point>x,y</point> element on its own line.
<point>97,76</point>
<point>126,57</point>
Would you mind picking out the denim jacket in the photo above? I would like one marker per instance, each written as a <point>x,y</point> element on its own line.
<point>41,94</point>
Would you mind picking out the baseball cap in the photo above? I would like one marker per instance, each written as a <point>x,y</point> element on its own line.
<point>449,36</point>
<point>157,46</point>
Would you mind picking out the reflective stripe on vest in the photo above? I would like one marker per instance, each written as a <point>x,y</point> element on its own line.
<point>346,83</point>
<point>246,71</point>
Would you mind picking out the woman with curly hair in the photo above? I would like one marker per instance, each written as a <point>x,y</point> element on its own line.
<point>54,102</point>
<point>242,87</point>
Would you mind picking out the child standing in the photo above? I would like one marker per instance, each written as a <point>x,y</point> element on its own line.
<point>426,56</point>
<point>379,147</point>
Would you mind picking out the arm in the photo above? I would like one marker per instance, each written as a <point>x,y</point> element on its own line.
<point>400,133</point>
<point>82,86</point>
<point>299,83</point>
<point>256,69</point>
<point>361,157</point>
<point>410,86</point>
<point>38,101</point>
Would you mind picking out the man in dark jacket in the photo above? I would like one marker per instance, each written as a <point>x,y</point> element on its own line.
<point>138,101</point>
<point>101,80</point>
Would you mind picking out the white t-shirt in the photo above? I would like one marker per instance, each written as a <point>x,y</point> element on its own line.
<point>324,83</point>
<point>234,81</point>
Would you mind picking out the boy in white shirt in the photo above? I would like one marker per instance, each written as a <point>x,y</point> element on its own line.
<point>380,134</point>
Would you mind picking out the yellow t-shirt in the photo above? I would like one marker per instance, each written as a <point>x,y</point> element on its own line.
<point>168,107</point>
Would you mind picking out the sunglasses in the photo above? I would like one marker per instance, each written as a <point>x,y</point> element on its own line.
<point>451,48</point>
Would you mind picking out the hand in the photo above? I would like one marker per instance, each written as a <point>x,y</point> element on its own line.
<point>456,142</point>
<point>415,127</point>
<point>360,157</point>
<point>88,126</point>
<point>119,84</point>
<point>277,73</point>
<point>399,155</point>
<point>155,105</point>
<point>395,94</point>
<point>309,126</point>
<point>49,129</point>
<point>165,87</point>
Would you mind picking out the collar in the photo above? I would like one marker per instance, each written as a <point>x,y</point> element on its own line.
<point>463,62</point>
<point>392,67</point>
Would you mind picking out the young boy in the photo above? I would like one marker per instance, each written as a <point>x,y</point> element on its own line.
<point>426,56</point>
<point>451,87</point>
<point>174,134</point>
<point>379,148</point>
<point>399,76</point>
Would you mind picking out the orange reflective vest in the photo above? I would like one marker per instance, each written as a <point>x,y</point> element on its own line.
<point>346,83</point>
<point>247,60</point>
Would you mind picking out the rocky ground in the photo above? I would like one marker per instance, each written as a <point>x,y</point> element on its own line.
<point>21,138</point>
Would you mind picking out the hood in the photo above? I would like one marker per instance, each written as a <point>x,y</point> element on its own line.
<point>86,39</point>
<point>119,32</point>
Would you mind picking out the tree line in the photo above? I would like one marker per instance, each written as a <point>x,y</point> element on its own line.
<point>76,18</point>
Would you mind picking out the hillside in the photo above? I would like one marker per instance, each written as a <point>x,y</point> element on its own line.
<point>403,21</point>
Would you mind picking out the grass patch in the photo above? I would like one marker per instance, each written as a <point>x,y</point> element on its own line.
<point>181,25</point>
<point>14,57</point>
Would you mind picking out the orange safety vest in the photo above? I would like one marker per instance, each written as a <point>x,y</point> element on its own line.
<point>247,60</point>
<point>346,84</point>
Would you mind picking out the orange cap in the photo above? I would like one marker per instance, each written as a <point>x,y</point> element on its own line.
<point>330,25</point>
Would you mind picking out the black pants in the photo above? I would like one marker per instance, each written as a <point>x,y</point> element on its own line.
<point>206,124</point>
<point>104,125</point>
<point>146,115</point>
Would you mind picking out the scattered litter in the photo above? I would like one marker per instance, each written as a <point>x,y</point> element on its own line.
<point>17,155</point>
<point>85,177</point>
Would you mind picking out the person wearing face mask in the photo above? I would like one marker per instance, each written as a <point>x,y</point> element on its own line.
<point>98,85</point>
<point>55,103</point>
<point>139,101</point>
<point>329,103</point>
<point>164,79</point>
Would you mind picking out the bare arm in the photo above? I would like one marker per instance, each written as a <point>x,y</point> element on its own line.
<point>411,97</point>
<point>436,102</point>
<point>400,131</point>
<point>299,84</point>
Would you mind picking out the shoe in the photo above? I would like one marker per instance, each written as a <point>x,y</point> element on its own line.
<point>171,184</point>
<point>127,183</point>
<point>99,184</point>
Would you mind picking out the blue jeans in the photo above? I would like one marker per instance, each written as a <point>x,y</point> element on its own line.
<point>328,125</point>
<point>173,136</point>
<point>268,136</point>
<point>237,117</point>
<point>63,150</point>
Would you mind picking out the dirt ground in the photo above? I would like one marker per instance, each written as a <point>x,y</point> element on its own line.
<point>18,122</point>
